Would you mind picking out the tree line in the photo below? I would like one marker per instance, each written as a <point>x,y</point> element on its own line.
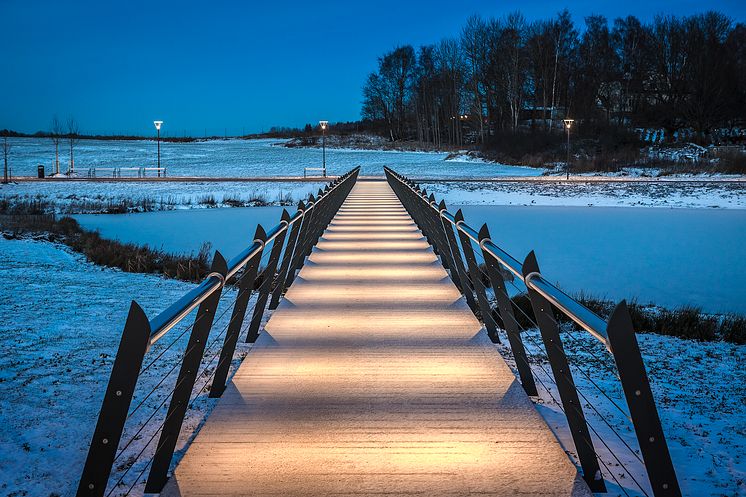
<point>502,76</point>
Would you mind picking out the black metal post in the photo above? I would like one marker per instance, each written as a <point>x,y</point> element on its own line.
<point>110,425</point>
<point>159,152</point>
<point>507,315</point>
<point>466,286</point>
<point>563,379</point>
<point>245,285</point>
<point>267,282</point>
<point>476,279</point>
<point>282,276</point>
<point>296,259</point>
<point>645,419</point>
<point>185,383</point>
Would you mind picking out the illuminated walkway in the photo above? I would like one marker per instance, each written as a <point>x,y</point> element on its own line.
<point>373,377</point>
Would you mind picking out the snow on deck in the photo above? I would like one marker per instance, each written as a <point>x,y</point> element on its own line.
<point>372,377</point>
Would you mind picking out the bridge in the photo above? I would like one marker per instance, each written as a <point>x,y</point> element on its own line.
<point>373,368</point>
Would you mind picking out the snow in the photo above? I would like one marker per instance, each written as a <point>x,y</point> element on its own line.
<point>94,197</point>
<point>244,158</point>
<point>60,331</point>
<point>607,193</point>
<point>700,391</point>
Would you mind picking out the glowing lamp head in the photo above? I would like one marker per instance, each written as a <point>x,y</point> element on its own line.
<point>158,124</point>
<point>323,124</point>
<point>568,122</point>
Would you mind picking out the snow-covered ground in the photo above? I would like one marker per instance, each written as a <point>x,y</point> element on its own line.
<point>694,194</point>
<point>244,158</point>
<point>60,325</point>
<point>700,390</point>
<point>88,197</point>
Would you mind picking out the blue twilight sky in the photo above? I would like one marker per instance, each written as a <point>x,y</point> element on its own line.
<point>245,66</point>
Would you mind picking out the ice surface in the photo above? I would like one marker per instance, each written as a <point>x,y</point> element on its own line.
<point>227,230</point>
<point>670,257</point>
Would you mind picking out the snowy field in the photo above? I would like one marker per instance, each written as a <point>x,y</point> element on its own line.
<point>700,391</point>
<point>663,193</point>
<point>246,158</point>
<point>62,328</point>
<point>89,197</point>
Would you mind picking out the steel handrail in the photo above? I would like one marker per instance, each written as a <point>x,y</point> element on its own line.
<point>165,321</point>
<point>580,314</point>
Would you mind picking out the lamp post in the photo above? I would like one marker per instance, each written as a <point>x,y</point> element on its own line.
<point>568,125</point>
<point>323,125</point>
<point>158,131</point>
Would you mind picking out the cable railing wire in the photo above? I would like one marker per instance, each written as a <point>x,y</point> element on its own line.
<point>160,406</point>
<point>617,335</point>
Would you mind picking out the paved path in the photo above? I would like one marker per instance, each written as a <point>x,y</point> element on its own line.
<point>373,377</point>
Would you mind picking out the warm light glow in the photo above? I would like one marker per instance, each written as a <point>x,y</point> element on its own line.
<point>323,124</point>
<point>568,122</point>
<point>374,377</point>
<point>158,124</point>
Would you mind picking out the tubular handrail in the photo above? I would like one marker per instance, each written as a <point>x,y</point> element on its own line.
<point>580,314</point>
<point>452,240</point>
<point>291,246</point>
<point>171,316</point>
<point>576,311</point>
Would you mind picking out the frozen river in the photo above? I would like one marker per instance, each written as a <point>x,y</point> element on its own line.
<point>244,158</point>
<point>670,257</point>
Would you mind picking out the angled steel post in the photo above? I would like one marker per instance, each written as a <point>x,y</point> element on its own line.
<point>117,399</point>
<point>645,419</point>
<point>476,278</point>
<point>185,382</point>
<point>267,282</point>
<point>303,239</point>
<point>466,285</point>
<point>245,286</point>
<point>295,256</point>
<point>282,276</point>
<point>507,315</point>
<point>563,379</point>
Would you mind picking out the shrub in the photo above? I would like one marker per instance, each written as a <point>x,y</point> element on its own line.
<point>111,253</point>
<point>686,322</point>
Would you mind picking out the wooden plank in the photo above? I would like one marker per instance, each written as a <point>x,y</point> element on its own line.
<point>373,377</point>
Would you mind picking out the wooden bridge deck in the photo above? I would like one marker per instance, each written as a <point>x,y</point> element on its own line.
<point>373,377</point>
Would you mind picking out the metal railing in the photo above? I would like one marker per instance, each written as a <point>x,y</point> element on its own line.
<point>291,241</point>
<point>460,259</point>
<point>116,172</point>
<point>306,169</point>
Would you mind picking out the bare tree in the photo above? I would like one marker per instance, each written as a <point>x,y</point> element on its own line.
<point>56,136</point>
<point>73,137</point>
<point>6,152</point>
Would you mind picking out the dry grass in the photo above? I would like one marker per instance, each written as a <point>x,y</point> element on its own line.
<point>110,253</point>
<point>685,322</point>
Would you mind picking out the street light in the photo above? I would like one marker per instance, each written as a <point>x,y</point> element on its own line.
<point>323,125</point>
<point>568,125</point>
<point>158,130</point>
